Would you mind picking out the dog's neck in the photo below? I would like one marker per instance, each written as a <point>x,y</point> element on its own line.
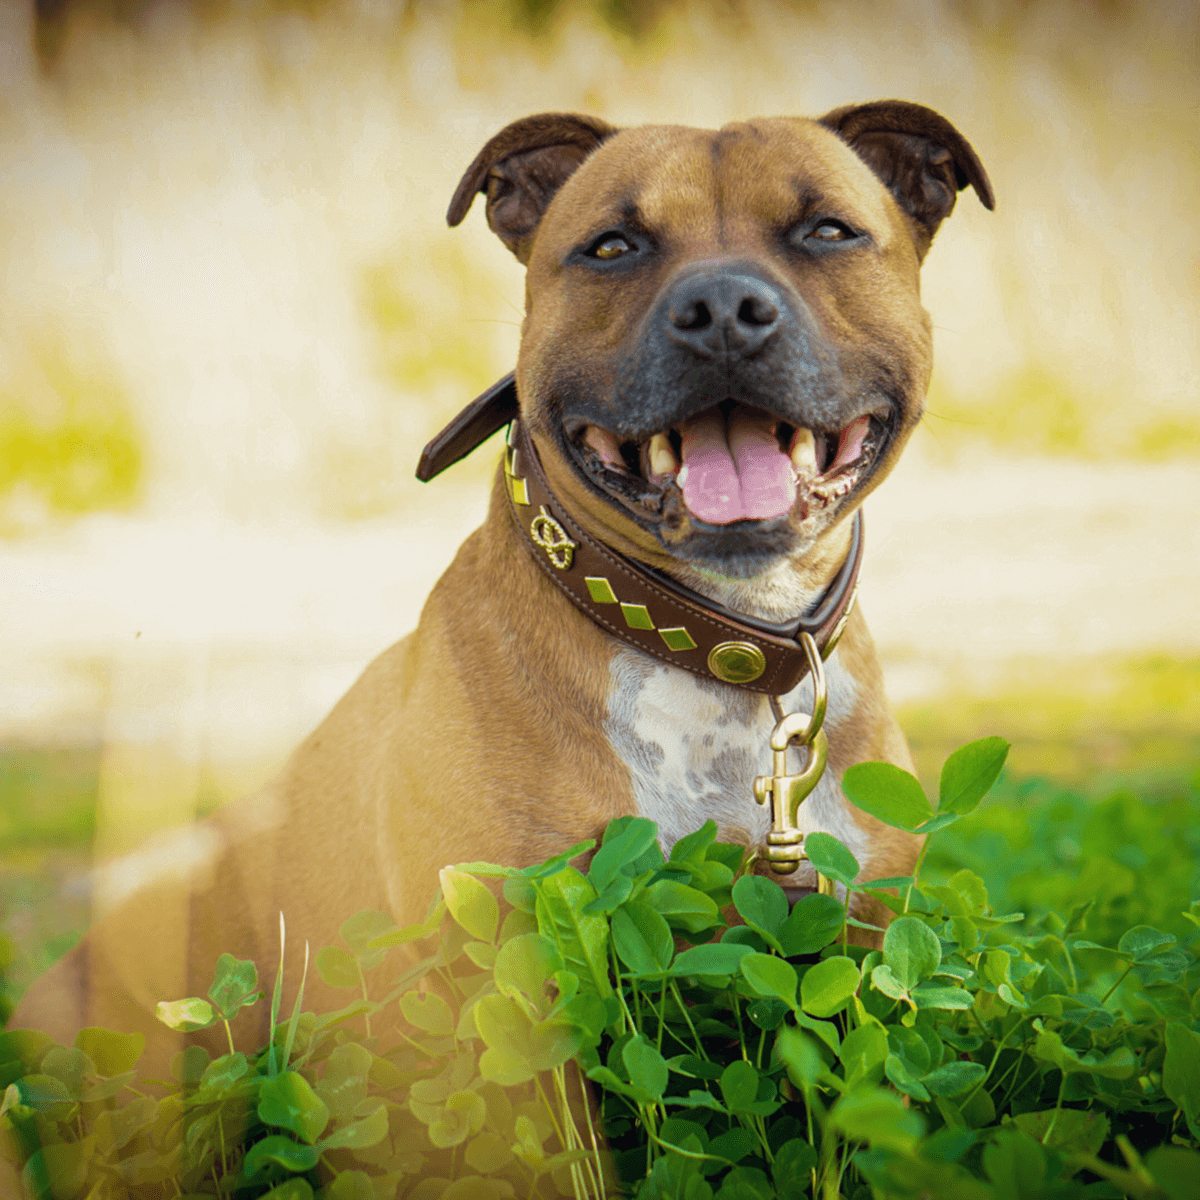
<point>781,591</point>
<point>772,595</point>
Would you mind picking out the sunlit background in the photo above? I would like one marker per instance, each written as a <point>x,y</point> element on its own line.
<point>231,314</point>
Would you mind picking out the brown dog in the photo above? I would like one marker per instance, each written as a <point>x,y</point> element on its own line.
<point>723,352</point>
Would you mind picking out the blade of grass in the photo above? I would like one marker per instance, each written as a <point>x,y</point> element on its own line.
<point>272,1061</point>
<point>295,1021</point>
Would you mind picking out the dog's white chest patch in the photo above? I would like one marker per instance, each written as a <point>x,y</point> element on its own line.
<point>693,749</point>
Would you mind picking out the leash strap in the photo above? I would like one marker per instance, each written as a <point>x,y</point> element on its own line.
<point>489,411</point>
<point>659,616</point>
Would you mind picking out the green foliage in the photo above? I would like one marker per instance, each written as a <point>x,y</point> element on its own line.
<point>68,438</point>
<point>27,776</point>
<point>974,1054</point>
<point>1094,724</point>
<point>1039,409</point>
<point>1103,864</point>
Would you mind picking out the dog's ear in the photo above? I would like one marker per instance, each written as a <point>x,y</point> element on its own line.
<point>521,168</point>
<point>923,160</point>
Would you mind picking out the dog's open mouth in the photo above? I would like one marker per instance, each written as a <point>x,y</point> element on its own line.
<point>734,463</point>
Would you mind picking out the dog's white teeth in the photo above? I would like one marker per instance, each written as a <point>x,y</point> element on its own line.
<point>662,458</point>
<point>828,490</point>
<point>607,447</point>
<point>803,453</point>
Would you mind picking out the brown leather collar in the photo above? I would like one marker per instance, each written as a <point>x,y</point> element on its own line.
<point>636,603</point>
<point>646,609</point>
<point>489,411</point>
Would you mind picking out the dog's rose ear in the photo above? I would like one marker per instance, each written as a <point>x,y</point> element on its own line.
<point>521,168</point>
<point>924,161</point>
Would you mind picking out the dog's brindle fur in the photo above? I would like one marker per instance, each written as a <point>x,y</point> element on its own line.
<point>509,726</point>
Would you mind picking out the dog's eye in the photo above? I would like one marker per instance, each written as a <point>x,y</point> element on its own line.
<point>611,245</point>
<point>830,231</point>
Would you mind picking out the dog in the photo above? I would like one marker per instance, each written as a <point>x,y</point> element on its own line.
<point>723,353</point>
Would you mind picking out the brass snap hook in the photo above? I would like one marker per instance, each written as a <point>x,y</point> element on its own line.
<point>786,791</point>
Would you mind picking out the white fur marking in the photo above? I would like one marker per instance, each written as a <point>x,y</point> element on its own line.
<point>693,749</point>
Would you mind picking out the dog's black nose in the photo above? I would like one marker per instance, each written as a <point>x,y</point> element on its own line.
<point>714,312</point>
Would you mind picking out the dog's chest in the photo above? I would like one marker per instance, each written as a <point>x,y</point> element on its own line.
<point>693,749</point>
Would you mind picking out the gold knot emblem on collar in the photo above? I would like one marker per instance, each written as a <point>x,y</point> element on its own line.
<point>546,532</point>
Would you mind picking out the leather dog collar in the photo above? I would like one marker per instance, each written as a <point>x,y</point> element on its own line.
<point>489,411</point>
<point>633,602</point>
<point>659,616</point>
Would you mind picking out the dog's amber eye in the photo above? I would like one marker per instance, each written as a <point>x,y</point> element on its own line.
<point>612,246</point>
<point>830,231</point>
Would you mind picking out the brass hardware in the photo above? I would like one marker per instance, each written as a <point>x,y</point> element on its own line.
<point>816,669</point>
<point>677,638</point>
<point>600,589</point>
<point>737,662</point>
<point>518,488</point>
<point>785,792</point>
<point>840,627</point>
<point>637,616</point>
<point>552,537</point>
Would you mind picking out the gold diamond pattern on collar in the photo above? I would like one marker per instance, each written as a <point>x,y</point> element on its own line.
<point>637,616</point>
<point>600,589</point>
<point>546,533</point>
<point>677,638</point>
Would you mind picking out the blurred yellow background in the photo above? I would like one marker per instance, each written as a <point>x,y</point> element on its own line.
<point>231,314</point>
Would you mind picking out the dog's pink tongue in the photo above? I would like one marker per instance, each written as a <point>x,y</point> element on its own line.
<point>734,473</point>
<point>764,471</point>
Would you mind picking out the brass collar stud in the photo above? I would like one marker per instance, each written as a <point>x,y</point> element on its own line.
<point>737,662</point>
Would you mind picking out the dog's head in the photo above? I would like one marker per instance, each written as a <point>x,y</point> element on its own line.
<point>724,348</point>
